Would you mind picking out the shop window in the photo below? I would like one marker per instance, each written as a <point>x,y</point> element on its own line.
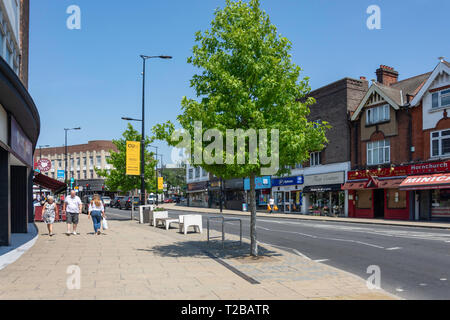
<point>440,143</point>
<point>440,99</point>
<point>440,203</point>
<point>191,173</point>
<point>197,172</point>
<point>364,199</point>
<point>396,199</point>
<point>378,114</point>
<point>378,152</point>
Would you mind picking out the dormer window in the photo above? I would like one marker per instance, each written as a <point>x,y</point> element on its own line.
<point>441,99</point>
<point>378,114</point>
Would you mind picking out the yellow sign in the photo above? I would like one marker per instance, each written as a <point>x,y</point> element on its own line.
<point>160,183</point>
<point>133,158</point>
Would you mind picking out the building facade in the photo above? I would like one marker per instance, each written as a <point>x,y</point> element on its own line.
<point>197,180</point>
<point>19,124</point>
<point>399,134</point>
<point>82,160</point>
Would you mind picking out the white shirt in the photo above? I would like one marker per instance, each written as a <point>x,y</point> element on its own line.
<point>271,201</point>
<point>73,204</point>
<point>94,207</point>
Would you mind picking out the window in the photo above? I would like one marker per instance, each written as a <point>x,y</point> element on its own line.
<point>99,160</point>
<point>92,174</point>
<point>78,162</point>
<point>91,161</point>
<point>85,174</point>
<point>205,173</point>
<point>440,99</point>
<point>197,172</point>
<point>440,143</point>
<point>191,173</point>
<point>378,152</point>
<point>378,114</point>
<point>315,159</point>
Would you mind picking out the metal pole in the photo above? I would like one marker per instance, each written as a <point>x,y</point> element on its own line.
<point>221,196</point>
<point>65,156</point>
<point>143,137</point>
<point>156,176</point>
<point>40,188</point>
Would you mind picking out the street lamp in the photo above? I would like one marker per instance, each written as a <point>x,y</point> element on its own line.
<point>156,174</point>
<point>144,59</point>
<point>65,151</point>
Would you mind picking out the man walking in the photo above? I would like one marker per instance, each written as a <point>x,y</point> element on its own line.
<point>72,208</point>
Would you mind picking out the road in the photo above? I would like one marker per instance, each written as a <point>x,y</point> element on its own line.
<point>414,262</point>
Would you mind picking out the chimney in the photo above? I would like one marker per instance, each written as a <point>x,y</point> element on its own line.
<point>362,78</point>
<point>386,75</point>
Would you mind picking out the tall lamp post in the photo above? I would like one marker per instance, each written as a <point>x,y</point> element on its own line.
<point>156,174</point>
<point>65,151</point>
<point>144,59</point>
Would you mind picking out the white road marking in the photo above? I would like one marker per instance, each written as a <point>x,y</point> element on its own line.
<point>399,290</point>
<point>321,260</point>
<point>423,284</point>
<point>443,279</point>
<point>293,250</point>
<point>394,248</point>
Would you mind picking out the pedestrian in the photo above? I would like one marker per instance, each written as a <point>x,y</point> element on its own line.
<point>72,208</point>
<point>271,204</point>
<point>50,210</point>
<point>97,212</point>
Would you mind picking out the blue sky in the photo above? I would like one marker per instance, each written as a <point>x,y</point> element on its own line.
<point>91,77</point>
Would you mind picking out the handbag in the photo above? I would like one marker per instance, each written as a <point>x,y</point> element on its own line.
<point>104,224</point>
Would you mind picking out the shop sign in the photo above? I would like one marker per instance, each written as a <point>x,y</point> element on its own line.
<point>260,182</point>
<point>44,165</point>
<point>133,163</point>
<point>291,181</point>
<point>435,167</point>
<point>234,184</point>
<point>20,144</point>
<point>197,186</point>
<point>325,178</point>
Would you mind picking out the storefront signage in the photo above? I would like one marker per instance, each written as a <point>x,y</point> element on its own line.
<point>234,184</point>
<point>196,186</point>
<point>413,169</point>
<point>260,182</point>
<point>291,181</point>
<point>60,174</point>
<point>324,179</point>
<point>133,165</point>
<point>434,181</point>
<point>20,144</point>
<point>44,165</point>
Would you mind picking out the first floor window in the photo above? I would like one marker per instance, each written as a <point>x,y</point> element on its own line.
<point>315,159</point>
<point>378,114</point>
<point>191,173</point>
<point>440,99</point>
<point>440,143</point>
<point>197,172</point>
<point>378,152</point>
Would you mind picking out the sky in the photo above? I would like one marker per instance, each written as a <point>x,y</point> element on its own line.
<point>91,77</point>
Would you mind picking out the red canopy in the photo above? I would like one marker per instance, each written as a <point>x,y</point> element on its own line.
<point>54,185</point>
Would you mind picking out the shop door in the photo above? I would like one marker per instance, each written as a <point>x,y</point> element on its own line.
<point>378,203</point>
<point>287,202</point>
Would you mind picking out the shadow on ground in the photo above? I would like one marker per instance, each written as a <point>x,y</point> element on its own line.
<point>201,249</point>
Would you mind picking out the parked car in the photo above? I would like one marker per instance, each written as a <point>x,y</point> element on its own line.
<point>168,200</point>
<point>106,200</point>
<point>151,199</point>
<point>125,203</point>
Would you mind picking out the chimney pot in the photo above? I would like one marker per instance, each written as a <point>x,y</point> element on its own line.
<point>386,75</point>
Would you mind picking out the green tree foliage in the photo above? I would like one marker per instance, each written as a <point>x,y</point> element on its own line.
<point>117,179</point>
<point>247,80</point>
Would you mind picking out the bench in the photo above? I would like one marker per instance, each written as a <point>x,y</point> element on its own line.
<point>166,222</point>
<point>158,215</point>
<point>193,220</point>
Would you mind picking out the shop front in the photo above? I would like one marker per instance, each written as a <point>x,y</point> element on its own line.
<point>323,194</point>
<point>263,187</point>
<point>19,132</point>
<point>197,194</point>
<point>234,194</point>
<point>287,193</point>
<point>431,195</point>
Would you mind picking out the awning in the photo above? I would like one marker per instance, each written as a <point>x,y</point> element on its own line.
<point>54,185</point>
<point>390,183</point>
<point>426,182</point>
<point>357,185</point>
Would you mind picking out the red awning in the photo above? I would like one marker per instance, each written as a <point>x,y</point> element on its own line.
<point>357,185</point>
<point>426,182</point>
<point>54,185</point>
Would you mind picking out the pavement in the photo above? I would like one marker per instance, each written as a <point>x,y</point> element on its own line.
<point>417,224</point>
<point>134,261</point>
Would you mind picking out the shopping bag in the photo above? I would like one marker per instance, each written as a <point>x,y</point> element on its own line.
<point>275,208</point>
<point>104,224</point>
<point>269,208</point>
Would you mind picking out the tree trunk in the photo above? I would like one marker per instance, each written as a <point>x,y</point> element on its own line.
<point>254,243</point>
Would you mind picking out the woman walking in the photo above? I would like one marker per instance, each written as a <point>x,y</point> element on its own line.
<point>50,210</point>
<point>97,211</point>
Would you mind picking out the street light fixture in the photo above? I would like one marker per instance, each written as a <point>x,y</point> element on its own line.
<point>65,151</point>
<point>156,173</point>
<point>144,59</point>
<point>40,158</point>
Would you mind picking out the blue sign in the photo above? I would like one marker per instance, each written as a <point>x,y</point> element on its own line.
<point>60,174</point>
<point>72,180</point>
<point>291,181</point>
<point>260,182</point>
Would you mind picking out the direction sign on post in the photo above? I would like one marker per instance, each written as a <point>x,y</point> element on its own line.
<point>60,174</point>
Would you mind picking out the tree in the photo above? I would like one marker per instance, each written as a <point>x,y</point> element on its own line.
<point>117,179</point>
<point>174,178</point>
<point>247,81</point>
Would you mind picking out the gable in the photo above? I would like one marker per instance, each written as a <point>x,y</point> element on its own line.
<point>375,96</point>
<point>442,71</point>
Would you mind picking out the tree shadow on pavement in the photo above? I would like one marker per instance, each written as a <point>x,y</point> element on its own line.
<point>201,249</point>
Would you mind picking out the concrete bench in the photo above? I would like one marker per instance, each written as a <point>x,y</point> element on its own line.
<point>166,222</point>
<point>158,215</point>
<point>193,220</point>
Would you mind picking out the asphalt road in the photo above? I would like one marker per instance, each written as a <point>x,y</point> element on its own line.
<point>414,262</point>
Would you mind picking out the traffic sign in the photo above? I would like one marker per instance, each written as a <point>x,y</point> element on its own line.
<point>44,165</point>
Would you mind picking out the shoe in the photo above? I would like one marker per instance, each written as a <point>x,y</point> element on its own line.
<point>68,233</point>
<point>98,233</point>
<point>74,233</point>
<point>51,234</point>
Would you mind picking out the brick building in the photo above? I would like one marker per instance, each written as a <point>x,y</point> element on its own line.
<point>391,137</point>
<point>82,160</point>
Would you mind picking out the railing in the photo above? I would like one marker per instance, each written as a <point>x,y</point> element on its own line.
<point>223,229</point>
